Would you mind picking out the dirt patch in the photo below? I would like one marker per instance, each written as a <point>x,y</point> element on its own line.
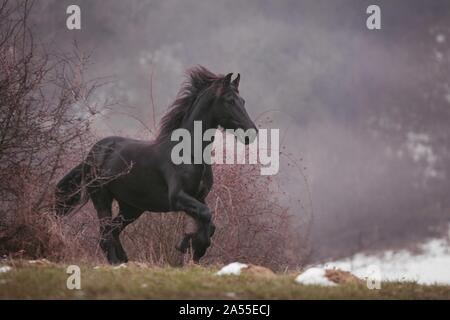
<point>258,271</point>
<point>342,277</point>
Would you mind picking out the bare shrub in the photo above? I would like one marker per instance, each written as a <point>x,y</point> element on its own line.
<point>153,237</point>
<point>42,123</point>
<point>253,224</point>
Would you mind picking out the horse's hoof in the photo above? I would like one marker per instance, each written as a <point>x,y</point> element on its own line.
<point>115,259</point>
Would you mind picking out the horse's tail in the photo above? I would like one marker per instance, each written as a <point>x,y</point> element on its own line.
<point>71,191</point>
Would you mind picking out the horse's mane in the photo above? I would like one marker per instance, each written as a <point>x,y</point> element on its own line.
<point>198,79</point>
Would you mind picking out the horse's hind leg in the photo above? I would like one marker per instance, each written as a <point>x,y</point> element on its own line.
<point>127,214</point>
<point>102,200</point>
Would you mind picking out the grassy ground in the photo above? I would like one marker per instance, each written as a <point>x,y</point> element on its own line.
<point>48,281</point>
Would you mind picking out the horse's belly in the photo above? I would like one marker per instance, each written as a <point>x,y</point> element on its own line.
<point>144,201</point>
<point>153,204</point>
<point>142,194</point>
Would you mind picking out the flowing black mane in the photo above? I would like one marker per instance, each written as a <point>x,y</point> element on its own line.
<point>198,79</point>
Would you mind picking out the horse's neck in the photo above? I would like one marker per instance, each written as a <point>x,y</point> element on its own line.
<point>198,114</point>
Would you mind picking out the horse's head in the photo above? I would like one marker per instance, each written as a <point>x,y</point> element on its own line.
<point>229,109</point>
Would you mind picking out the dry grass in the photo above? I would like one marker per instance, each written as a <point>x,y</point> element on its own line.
<point>139,281</point>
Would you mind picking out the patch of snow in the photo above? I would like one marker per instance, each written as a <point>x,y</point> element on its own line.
<point>314,276</point>
<point>432,266</point>
<point>233,268</point>
<point>231,295</point>
<point>40,261</point>
<point>4,269</point>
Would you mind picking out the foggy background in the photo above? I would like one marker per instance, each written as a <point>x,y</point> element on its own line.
<point>368,111</point>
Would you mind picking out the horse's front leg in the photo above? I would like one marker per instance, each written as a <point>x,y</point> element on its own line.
<point>181,201</point>
<point>185,243</point>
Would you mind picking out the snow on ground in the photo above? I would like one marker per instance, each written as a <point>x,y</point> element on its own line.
<point>430,266</point>
<point>4,269</point>
<point>234,268</point>
<point>314,276</point>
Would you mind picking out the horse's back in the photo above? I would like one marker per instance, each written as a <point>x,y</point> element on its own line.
<point>114,144</point>
<point>113,154</point>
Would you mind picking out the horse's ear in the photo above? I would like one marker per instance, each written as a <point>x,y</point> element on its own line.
<point>236,81</point>
<point>227,80</point>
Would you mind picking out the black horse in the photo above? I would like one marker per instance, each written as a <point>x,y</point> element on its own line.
<point>140,175</point>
